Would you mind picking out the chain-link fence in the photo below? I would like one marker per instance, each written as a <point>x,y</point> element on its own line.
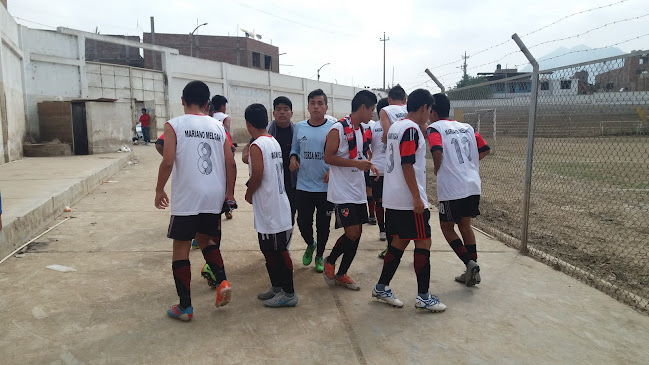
<point>589,200</point>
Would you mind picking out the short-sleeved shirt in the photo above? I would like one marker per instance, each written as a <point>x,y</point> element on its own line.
<point>308,145</point>
<point>459,174</point>
<point>347,184</point>
<point>144,120</point>
<point>406,145</point>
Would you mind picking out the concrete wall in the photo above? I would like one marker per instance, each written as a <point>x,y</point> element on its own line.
<point>52,71</point>
<point>109,126</point>
<point>243,86</point>
<point>12,99</point>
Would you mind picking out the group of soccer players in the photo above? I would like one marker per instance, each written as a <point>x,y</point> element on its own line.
<point>320,166</point>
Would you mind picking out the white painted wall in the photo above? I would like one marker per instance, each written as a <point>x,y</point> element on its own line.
<point>243,86</point>
<point>12,100</point>
<point>109,126</point>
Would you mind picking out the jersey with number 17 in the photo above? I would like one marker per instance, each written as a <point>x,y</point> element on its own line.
<point>459,174</point>
<point>270,202</point>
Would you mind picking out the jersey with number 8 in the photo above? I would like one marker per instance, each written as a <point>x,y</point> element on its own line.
<point>459,174</point>
<point>269,202</point>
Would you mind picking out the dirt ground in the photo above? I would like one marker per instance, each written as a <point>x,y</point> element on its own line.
<point>589,203</point>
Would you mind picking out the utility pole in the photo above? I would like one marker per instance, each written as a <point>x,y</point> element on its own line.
<point>153,54</point>
<point>384,40</point>
<point>465,57</point>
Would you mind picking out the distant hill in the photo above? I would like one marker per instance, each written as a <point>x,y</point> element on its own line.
<point>581,54</point>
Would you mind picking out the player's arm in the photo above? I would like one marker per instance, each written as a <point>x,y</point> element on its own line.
<point>230,170</point>
<point>367,143</point>
<point>436,149</point>
<point>483,147</point>
<point>166,166</point>
<point>294,163</point>
<point>256,171</point>
<point>330,158</point>
<point>226,123</point>
<point>385,123</point>
<point>407,149</point>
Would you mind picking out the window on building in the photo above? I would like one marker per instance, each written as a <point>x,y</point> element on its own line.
<point>524,87</point>
<point>268,61</point>
<point>256,59</point>
<point>643,60</point>
<point>545,85</point>
<point>512,87</point>
<point>566,84</point>
<point>500,88</point>
<point>609,86</point>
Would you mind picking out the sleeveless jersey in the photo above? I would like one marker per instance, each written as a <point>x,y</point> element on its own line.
<point>374,135</point>
<point>269,202</point>
<point>395,112</point>
<point>459,175</point>
<point>406,145</point>
<point>198,175</point>
<point>347,184</point>
<point>220,116</point>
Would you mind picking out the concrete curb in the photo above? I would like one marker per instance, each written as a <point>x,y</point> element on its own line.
<point>21,229</point>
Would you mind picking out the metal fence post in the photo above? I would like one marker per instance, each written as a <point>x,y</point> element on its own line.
<point>435,80</point>
<point>530,141</point>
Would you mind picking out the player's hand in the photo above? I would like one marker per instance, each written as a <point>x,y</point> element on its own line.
<point>248,197</point>
<point>364,165</point>
<point>418,205</point>
<point>230,198</point>
<point>325,179</point>
<point>294,164</point>
<point>161,200</point>
<point>375,171</point>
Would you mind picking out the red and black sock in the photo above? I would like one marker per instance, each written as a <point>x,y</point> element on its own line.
<point>380,216</point>
<point>339,248</point>
<point>473,252</point>
<point>182,271</point>
<point>390,264</point>
<point>422,269</point>
<point>287,270</point>
<point>370,205</point>
<point>390,239</point>
<point>460,250</point>
<point>213,257</point>
<point>348,257</point>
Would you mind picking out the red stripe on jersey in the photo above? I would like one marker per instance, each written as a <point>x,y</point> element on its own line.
<point>407,148</point>
<point>478,138</point>
<point>367,136</point>
<point>435,139</point>
<point>229,139</point>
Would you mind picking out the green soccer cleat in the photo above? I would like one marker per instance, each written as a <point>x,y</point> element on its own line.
<point>206,272</point>
<point>319,264</point>
<point>308,254</point>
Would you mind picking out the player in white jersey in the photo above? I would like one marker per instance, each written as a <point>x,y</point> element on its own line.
<point>219,104</point>
<point>271,207</point>
<point>344,154</point>
<point>395,111</point>
<point>406,203</point>
<point>373,136</point>
<point>457,150</point>
<point>197,152</point>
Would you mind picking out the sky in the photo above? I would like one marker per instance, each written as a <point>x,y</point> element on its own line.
<point>346,34</point>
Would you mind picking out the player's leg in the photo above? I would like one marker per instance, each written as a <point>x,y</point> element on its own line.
<point>181,230</point>
<point>208,239</point>
<point>322,225</point>
<point>391,262</point>
<point>305,208</point>
<point>425,300</point>
<point>377,194</point>
<point>370,199</point>
<point>267,247</point>
<point>286,297</point>
<point>468,208</point>
<point>347,217</point>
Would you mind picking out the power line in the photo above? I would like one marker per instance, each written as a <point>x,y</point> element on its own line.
<point>31,21</point>
<point>590,30</point>
<point>291,20</point>
<point>532,32</point>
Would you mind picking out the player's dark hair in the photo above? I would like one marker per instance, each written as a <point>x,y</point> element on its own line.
<point>397,93</point>
<point>363,97</point>
<point>256,115</point>
<point>282,100</point>
<point>218,101</point>
<point>442,105</point>
<point>381,104</point>
<point>419,98</point>
<point>196,93</point>
<point>317,92</point>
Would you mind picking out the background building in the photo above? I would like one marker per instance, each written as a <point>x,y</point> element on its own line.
<point>632,76</point>
<point>240,51</point>
<point>98,51</point>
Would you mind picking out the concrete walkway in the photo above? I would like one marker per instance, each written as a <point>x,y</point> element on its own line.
<point>112,309</point>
